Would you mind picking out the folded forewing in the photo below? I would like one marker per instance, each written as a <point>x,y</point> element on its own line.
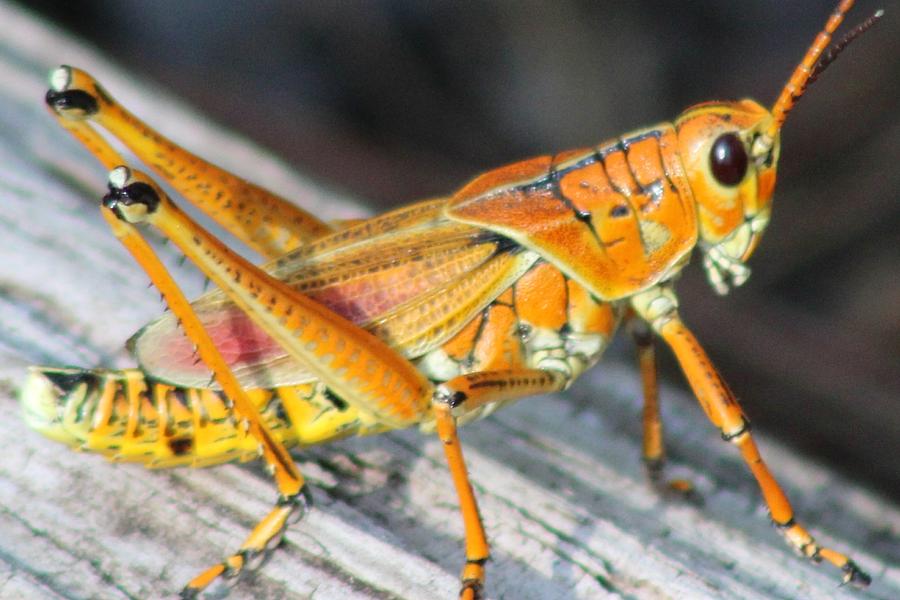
<point>414,286</point>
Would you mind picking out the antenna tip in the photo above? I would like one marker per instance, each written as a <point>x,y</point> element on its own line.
<point>879,13</point>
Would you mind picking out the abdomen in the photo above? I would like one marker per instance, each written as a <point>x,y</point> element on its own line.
<point>126,416</point>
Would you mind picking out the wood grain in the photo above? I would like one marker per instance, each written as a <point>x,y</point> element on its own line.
<point>559,477</point>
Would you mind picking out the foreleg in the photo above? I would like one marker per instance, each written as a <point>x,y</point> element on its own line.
<point>659,307</point>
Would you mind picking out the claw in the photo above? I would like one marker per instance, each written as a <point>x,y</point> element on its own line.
<point>680,490</point>
<point>257,549</point>
<point>855,576</point>
<point>802,542</point>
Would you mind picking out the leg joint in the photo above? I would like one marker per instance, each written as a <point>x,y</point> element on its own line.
<point>786,525</point>
<point>298,503</point>
<point>448,397</point>
<point>303,496</point>
<point>131,199</point>
<point>733,436</point>
<point>75,102</point>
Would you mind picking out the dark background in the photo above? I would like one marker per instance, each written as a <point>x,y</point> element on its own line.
<point>396,101</point>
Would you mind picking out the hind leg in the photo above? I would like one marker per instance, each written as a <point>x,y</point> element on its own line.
<point>356,365</point>
<point>264,221</point>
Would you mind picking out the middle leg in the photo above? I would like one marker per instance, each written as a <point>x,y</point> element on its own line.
<point>453,399</point>
<point>653,449</point>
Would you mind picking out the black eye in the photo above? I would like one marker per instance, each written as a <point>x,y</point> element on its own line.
<point>728,159</point>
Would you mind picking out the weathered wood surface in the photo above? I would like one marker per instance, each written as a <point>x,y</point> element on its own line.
<point>559,477</point>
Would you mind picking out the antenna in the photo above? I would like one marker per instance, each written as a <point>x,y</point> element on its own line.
<point>815,61</point>
<point>832,53</point>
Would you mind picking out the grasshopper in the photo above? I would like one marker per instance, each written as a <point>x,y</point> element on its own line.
<point>433,314</point>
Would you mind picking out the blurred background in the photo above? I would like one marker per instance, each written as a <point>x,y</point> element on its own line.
<point>395,101</point>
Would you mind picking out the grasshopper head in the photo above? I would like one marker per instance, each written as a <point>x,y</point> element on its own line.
<point>731,168</point>
<point>730,152</point>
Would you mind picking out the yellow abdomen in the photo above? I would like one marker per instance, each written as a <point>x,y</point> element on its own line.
<point>127,417</point>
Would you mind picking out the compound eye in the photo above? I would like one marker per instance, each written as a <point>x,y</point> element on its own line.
<point>728,159</point>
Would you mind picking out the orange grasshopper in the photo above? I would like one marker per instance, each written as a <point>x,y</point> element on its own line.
<point>433,314</point>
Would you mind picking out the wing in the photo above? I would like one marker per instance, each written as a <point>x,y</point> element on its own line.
<point>412,277</point>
